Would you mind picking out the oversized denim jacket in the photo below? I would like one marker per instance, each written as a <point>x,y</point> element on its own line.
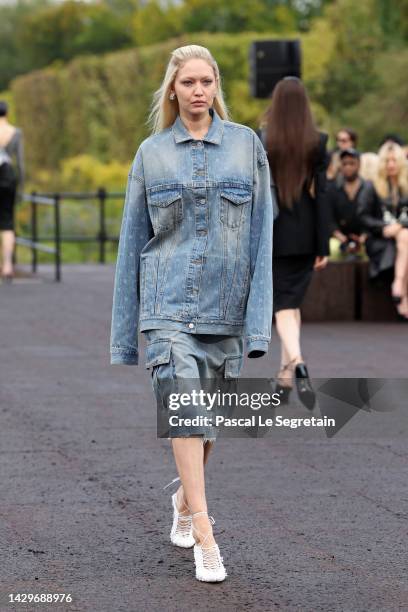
<point>195,248</point>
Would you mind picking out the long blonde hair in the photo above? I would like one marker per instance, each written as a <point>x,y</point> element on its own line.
<point>381,183</point>
<point>164,111</point>
<point>369,166</point>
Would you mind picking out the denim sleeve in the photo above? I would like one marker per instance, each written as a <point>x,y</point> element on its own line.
<point>258,319</point>
<point>136,231</point>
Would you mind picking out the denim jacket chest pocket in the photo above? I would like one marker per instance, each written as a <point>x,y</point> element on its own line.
<point>235,203</point>
<point>165,207</point>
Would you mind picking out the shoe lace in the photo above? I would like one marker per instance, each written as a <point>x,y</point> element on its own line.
<point>212,558</point>
<point>211,555</point>
<point>184,522</point>
<point>171,482</point>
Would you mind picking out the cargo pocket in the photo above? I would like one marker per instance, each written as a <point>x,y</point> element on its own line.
<point>157,353</point>
<point>159,358</point>
<point>233,366</point>
<point>165,207</point>
<point>234,202</point>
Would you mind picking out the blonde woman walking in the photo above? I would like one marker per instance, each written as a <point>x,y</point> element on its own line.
<point>194,267</point>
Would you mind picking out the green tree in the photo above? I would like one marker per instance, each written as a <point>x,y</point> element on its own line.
<point>12,61</point>
<point>384,109</point>
<point>60,32</point>
<point>350,74</point>
<point>232,16</point>
<point>156,21</point>
<point>394,20</point>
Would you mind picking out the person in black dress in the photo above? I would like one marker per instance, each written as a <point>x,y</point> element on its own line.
<point>298,160</point>
<point>385,218</point>
<point>11,156</point>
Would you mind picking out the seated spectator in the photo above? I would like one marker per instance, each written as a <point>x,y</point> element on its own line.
<point>345,200</point>
<point>392,138</point>
<point>346,139</point>
<point>369,166</point>
<point>385,219</point>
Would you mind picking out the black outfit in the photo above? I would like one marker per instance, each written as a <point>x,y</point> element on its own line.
<point>8,193</point>
<point>299,235</point>
<point>375,213</point>
<point>7,200</point>
<point>344,211</point>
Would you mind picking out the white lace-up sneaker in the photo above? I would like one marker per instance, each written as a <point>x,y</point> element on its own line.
<point>181,532</point>
<point>208,561</point>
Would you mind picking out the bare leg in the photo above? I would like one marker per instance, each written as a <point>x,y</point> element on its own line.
<point>207,449</point>
<point>288,328</point>
<point>284,355</point>
<point>401,270</point>
<point>181,501</point>
<point>189,458</point>
<point>8,243</point>
<point>298,319</point>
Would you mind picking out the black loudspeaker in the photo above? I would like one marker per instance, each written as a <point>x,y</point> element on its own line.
<point>270,61</point>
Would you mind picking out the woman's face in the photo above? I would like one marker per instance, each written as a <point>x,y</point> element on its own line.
<point>391,165</point>
<point>195,87</point>
<point>344,141</point>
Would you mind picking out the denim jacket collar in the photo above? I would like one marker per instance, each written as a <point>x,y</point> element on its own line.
<point>214,134</point>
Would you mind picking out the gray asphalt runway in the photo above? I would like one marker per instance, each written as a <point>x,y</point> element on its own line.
<point>304,523</point>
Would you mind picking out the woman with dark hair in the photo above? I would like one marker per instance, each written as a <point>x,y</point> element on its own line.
<point>298,160</point>
<point>11,146</point>
<point>346,138</point>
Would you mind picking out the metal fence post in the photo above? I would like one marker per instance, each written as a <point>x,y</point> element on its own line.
<point>57,221</point>
<point>102,224</point>
<point>33,232</point>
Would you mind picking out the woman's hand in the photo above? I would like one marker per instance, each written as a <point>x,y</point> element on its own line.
<point>391,230</point>
<point>320,262</point>
<point>340,236</point>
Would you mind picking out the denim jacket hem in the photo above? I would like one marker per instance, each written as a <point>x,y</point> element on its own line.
<point>257,344</point>
<point>122,356</point>
<point>193,326</point>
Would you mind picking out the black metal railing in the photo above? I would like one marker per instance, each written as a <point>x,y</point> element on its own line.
<point>35,241</point>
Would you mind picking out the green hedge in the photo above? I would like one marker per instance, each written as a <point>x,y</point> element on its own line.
<point>98,105</point>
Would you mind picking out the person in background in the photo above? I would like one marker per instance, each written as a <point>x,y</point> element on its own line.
<point>369,166</point>
<point>345,200</point>
<point>298,161</point>
<point>395,138</point>
<point>11,157</point>
<point>346,138</point>
<point>386,221</point>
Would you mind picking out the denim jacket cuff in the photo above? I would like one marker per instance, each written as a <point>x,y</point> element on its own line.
<point>256,346</point>
<point>124,357</point>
